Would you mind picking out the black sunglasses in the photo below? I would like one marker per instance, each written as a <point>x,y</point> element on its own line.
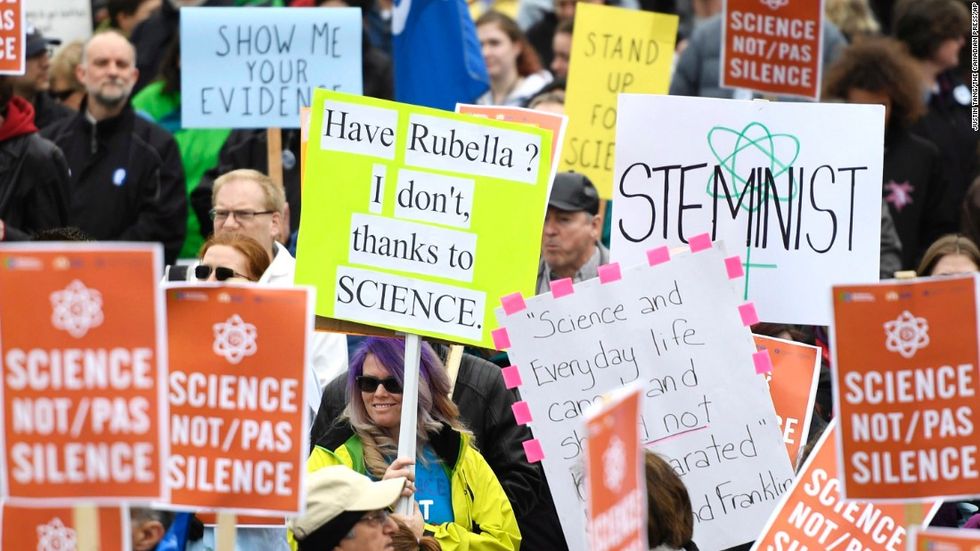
<point>61,95</point>
<point>366,383</point>
<point>221,273</point>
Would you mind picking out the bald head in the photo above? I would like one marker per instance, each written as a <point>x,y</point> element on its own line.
<point>108,73</point>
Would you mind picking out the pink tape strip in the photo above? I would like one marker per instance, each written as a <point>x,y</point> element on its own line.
<point>658,255</point>
<point>513,303</point>
<point>512,377</point>
<point>522,413</point>
<point>562,287</point>
<point>747,311</point>
<point>734,266</point>
<point>610,272</point>
<point>699,242</point>
<point>501,340</point>
<point>763,363</point>
<point>533,451</point>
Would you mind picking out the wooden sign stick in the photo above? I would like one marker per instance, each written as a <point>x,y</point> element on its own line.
<point>86,520</point>
<point>452,366</point>
<point>224,533</point>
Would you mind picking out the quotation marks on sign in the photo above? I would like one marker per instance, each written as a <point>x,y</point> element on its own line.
<point>906,334</point>
<point>55,536</point>
<point>774,4</point>
<point>234,339</point>
<point>76,309</point>
<point>614,461</point>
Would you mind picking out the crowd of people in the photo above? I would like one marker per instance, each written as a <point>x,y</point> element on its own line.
<point>94,150</point>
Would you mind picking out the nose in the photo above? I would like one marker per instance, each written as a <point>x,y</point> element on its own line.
<point>230,222</point>
<point>550,227</point>
<point>389,527</point>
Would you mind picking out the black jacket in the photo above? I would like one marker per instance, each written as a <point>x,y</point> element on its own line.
<point>127,181</point>
<point>33,186</point>
<point>47,111</point>
<point>485,408</point>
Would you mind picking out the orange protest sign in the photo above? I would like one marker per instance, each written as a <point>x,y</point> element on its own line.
<point>772,46</point>
<point>905,388</point>
<point>813,515</point>
<point>549,121</point>
<point>12,32</point>
<point>617,506</point>
<point>940,539</point>
<point>81,339</point>
<point>239,436</point>
<point>54,528</point>
<point>793,387</point>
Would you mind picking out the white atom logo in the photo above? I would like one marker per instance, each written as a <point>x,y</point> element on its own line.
<point>775,4</point>
<point>76,309</point>
<point>235,339</point>
<point>614,461</point>
<point>55,536</point>
<point>906,334</point>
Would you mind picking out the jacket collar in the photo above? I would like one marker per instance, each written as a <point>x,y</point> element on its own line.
<point>447,442</point>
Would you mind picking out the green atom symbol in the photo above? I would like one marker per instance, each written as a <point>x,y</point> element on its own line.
<point>755,139</point>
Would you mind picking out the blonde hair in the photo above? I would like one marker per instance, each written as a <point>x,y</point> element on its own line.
<point>275,195</point>
<point>64,62</point>
<point>854,18</point>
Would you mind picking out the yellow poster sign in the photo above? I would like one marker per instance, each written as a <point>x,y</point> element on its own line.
<point>419,220</point>
<point>614,51</point>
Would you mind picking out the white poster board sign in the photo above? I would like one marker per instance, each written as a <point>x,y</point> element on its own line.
<point>794,188</point>
<point>678,329</point>
<point>66,20</point>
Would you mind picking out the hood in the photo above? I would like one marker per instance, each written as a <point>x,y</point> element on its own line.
<point>19,119</point>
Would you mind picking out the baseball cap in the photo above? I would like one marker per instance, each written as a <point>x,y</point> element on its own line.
<point>574,192</point>
<point>333,491</point>
<point>36,43</point>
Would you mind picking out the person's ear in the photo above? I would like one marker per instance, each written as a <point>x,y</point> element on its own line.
<point>276,227</point>
<point>80,73</point>
<point>597,226</point>
<point>147,535</point>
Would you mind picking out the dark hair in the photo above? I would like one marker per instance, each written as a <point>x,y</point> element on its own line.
<point>924,24</point>
<point>566,27</point>
<point>670,517</point>
<point>879,65</point>
<point>165,518</point>
<point>257,259</point>
<point>116,7</point>
<point>69,233</point>
<point>404,539</point>
<point>944,246</point>
<point>169,71</point>
<point>434,406</point>
<point>528,61</point>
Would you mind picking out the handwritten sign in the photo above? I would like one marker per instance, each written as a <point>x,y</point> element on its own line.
<point>793,387</point>
<point>66,20</point>
<point>270,60</point>
<point>53,529</point>
<point>615,474</point>
<point>12,46</point>
<point>814,515</point>
<point>677,329</point>
<point>615,51</point>
<point>944,539</point>
<point>401,224</point>
<point>905,388</point>
<point>239,436</point>
<point>81,332</point>
<point>773,46</point>
<point>795,187</point>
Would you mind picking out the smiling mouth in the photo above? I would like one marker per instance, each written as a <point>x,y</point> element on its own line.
<point>383,406</point>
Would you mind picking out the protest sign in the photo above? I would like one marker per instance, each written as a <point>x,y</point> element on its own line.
<point>905,388</point>
<point>12,47</point>
<point>413,216</point>
<point>678,329</point>
<point>554,122</point>
<point>271,60</point>
<point>795,188</point>
<point>793,387</point>
<point>54,529</point>
<point>814,515</point>
<point>81,337</point>
<point>615,50</point>
<point>239,431</point>
<point>66,20</point>
<point>943,539</point>
<point>614,473</point>
<point>772,46</point>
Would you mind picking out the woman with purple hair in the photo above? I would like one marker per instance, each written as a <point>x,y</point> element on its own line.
<point>460,501</point>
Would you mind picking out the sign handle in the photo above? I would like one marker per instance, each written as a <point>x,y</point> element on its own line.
<point>86,520</point>
<point>274,157</point>
<point>224,533</point>
<point>452,366</point>
<point>410,399</point>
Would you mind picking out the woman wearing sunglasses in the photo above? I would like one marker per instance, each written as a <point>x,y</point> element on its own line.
<point>232,257</point>
<point>461,502</point>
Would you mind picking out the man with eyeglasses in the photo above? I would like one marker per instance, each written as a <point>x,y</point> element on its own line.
<point>34,84</point>
<point>346,510</point>
<point>127,180</point>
